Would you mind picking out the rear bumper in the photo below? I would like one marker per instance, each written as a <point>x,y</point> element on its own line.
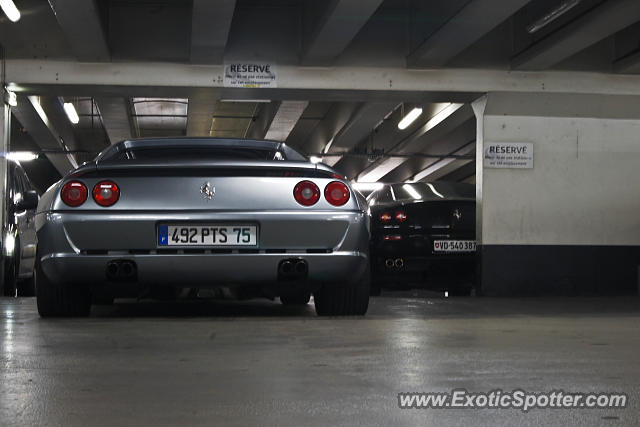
<point>203,270</point>
<point>76,247</point>
<point>445,264</point>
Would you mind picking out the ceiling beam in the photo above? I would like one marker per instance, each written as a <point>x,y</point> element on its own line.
<point>628,64</point>
<point>361,124</point>
<point>595,25</point>
<point>32,117</point>
<point>360,83</point>
<point>210,24</point>
<point>444,121</point>
<point>286,117</point>
<point>116,117</point>
<point>337,25</point>
<point>202,106</point>
<point>262,121</point>
<point>473,21</point>
<point>80,22</point>
<point>54,110</point>
<point>461,173</point>
<point>455,138</point>
<point>322,136</point>
<point>445,166</point>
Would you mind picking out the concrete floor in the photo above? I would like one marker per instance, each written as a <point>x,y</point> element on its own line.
<point>226,363</point>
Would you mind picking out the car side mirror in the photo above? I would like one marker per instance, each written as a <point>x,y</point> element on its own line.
<point>29,201</point>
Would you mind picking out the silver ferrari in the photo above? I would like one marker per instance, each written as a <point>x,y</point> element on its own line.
<point>239,218</point>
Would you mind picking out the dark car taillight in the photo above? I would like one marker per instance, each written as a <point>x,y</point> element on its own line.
<point>401,216</point>
<point>74,193</point>
<point>106,193</point>
<point>337,193</point>
<point>385,217</point>
<point>306,193</point>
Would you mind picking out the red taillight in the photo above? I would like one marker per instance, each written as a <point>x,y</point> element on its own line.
<point>337,193</point>
<point>401,216</point>
<point>306,193</point>
<point>106,193</point>
<point>385,217</point>
<point>74,193</point>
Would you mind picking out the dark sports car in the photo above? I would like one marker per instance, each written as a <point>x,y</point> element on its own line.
<point>424,232</point>
<point>242,218</point>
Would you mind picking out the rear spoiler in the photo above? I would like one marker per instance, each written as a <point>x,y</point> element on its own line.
<point>208,169</point>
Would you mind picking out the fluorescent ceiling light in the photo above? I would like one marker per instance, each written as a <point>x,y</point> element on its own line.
<point>71,113</point>
<point>10,9</point>
<point>380,169</point>
<point>367,186</point>
<point>556,13</point>
<point>21,156</point>
<point>262,101</point>
<point>315,159</point>
<point>409,118</point>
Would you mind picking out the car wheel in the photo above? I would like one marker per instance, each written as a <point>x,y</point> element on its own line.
<point>344,300</point>
<point>27,287</point>
<point>301,298</point>
<point>60,299</point>
<point>376,288</point>
<point>10,276</point>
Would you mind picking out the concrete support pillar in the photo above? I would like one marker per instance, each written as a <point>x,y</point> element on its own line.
<point>5,135</point>
<point>571,223</point>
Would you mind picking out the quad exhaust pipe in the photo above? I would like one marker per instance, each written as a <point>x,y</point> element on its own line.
<point>394,263</point>
<point>293,269</point>
<point>122,270</point>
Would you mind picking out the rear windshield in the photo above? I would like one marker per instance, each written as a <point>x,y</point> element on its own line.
<point>198,153</point>
<point>432,191</point>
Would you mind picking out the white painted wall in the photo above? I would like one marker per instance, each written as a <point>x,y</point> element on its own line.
<point>584,188</point>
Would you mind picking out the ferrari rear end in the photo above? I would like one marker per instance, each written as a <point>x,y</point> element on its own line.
<point>425,233</point>
<point>241,218</point>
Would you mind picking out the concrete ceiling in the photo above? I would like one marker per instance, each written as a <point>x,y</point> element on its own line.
<point>356,134</point>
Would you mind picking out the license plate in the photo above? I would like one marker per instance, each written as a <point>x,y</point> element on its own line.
<point>454,245</point>
<point>208,235</point>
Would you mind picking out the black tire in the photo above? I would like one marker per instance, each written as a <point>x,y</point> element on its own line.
<point>10,276</point>
<point>301,298</point>
<point>376,288</point>
<point>59,299</point>
<point>344,299</point>
<point>27,287</point>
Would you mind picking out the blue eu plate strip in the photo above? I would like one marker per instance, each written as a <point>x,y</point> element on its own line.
<point>163,235</point>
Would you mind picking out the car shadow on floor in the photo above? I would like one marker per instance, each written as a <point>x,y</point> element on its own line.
<point>201,308</point>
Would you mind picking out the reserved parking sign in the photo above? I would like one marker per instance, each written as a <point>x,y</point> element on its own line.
<point>508,155</point>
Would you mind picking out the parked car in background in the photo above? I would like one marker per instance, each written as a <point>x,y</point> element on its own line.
<point>423,233</point>
<point>243,218</point>
<point>19,239</point>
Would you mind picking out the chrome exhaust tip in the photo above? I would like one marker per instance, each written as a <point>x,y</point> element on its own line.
<point>399,263</point>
